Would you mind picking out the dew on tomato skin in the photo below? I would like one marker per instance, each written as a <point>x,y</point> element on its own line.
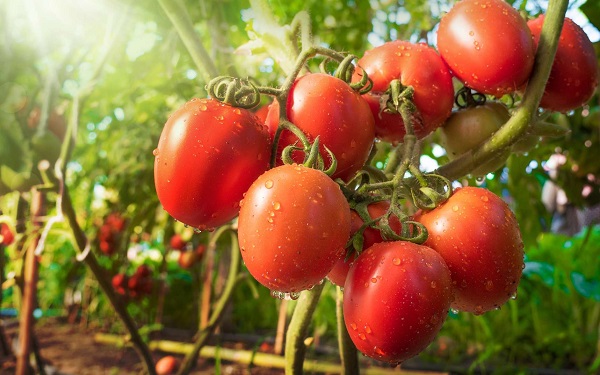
<point>269,184</point>
<point>362,336</point>
<point>397,261</point>
<point>353,326</point>
<point>155,152</point>
<point>433,285</point>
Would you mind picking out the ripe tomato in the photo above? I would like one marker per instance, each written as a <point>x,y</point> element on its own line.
<point>208,155</point>
<point>370,236</point>
<point>176,242</point>
<point>294,223</point>
<point>467,128</point>
<point>187,259</point>
<point>416,65</point>
<point>166,365</point>
<point>325,106</point>
<point>487,45</point>
<point>478,236</point>
<point>396,298</point>
<point>574,75</point>
<point>119,283</point>
<point>7,237</point>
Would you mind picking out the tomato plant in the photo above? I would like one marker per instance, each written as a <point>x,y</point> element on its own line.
<point>207,156</point>
<point>478,236</point>
<point>574,75</point>
<point>325,106</point>
<point>469,127</point>
<point>293,225</point>
<point>487,45</point>
<point>418,66</point>
<point>396,299</point>
<point>370,236</point>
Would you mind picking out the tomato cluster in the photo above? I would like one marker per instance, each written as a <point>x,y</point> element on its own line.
<point>298,176</point>
<point>110,232</point>
<point>137,285</point>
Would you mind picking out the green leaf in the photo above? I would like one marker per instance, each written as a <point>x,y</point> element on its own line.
<point>586,287</point>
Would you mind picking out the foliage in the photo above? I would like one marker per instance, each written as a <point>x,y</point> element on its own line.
<point>130,70</point>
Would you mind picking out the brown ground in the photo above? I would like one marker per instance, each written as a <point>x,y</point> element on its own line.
<point>71,350</point>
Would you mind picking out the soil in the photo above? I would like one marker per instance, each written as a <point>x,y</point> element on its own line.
<point>70,349</point>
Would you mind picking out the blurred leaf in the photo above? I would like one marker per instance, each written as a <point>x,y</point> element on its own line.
<point>587,288</point>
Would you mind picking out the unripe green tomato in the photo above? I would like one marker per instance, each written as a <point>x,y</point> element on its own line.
<point>468,128</point>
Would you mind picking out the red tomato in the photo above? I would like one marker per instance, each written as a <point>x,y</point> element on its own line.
<point>166,365</point>
<point>6,235</point>
<point>574,75</point>
<point>468,128</point>
<point>396,298</point>
<point>294,223</point>
<point>487,45</point>
<point>177,242</point>
<point>370,236</point>
<point>325,106</point>
<point>208,154</point>
<point>478,236</point>
<point>416,65</point>
<point>119,283</point>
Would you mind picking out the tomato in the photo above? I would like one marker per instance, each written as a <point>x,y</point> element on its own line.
<point>396,298</point>
<point>177,242</point>
<point>478,236</point>
<point>370,236</point>
<point>119,283</point>
<point>468,128</point>
<point>325,106</point>
<point>208,155</point>
<point>262,113</point>
<point>294,223</point>
<point>487,45</point>
<point>166,365</point>
<point>574,75</point>
<point>416,65</point>
<point>187,259</point>
<point>7,237</point>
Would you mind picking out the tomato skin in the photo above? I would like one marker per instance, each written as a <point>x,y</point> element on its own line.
<point>294,223</point>
<point>487,45</point>
<point>370,236</point>
<point>7,237</point>
<point>396,298</point>
<point>467,128</point>
<point>167,365</point>
<point>574,75</point>
<point>325,106</point>
<point>478,236</point>
<point>208,154</point>
<point>416,65</point>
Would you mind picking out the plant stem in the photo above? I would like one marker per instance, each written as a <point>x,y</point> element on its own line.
<point>524,115</point>
<point>175,10</point>
<point>295,349</point>
<point>219,308</point>
<point>26,321</point>
<point>348,351</point>
<point>106,286</point>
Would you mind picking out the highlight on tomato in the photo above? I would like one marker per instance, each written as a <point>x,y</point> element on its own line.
<point>396,298</point>
<point>487,46</point>
<point>325,106</point>
<point>208,154</point>
<point>415,65</point>
<point>293,225</point>
<point>479,238</point>
<point>574,75</point>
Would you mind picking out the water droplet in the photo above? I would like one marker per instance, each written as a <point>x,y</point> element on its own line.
<point>478,310</point>
<point>433,284</point>
<point>276,206</point>
<point>353,326</point>
<point>155,152</point>
<point>367,329</point>
<point>455,208</point>
<point>269,184</point>
<point>270,219</point>
<point>489,285</point>
<point>484,198</point>
<point>374,280</point>
<point>454,311</point>
<point>362,336</point>
<point>202,107</point>
<point>397,261</point>
<point>471,33</point>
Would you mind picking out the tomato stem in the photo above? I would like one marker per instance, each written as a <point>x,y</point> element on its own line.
<point>348,351</point>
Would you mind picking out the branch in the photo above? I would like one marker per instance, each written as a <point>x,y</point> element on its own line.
<point>295,348</point>
<point>179,17</point>
<point>520,121</point>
